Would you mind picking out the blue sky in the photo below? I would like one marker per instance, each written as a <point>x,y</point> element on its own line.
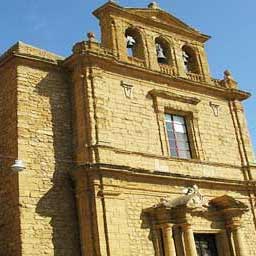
<point>57,25</point>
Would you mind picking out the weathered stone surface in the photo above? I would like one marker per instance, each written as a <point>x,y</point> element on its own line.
<point>91,131</point>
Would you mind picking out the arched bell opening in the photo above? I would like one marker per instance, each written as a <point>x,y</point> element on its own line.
<point>190,60</point>
<point>163,51</point>
<point>134,43</point>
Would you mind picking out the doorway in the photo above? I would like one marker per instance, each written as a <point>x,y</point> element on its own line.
<point>206,244</point>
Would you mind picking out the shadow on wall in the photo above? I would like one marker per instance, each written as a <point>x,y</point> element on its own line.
<point>152,236</point>
<point>58,202</point>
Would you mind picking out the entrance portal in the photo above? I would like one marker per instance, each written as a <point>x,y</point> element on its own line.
<point>206,245</point>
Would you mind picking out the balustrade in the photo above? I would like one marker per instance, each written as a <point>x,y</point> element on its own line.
<point>168,70</point>
<point>195,77</point>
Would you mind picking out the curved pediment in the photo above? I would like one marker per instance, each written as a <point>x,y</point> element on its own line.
<point>227,202</point>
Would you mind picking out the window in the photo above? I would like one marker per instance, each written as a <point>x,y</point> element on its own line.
<point>177,136</point>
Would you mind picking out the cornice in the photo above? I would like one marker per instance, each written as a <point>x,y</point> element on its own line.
<point>124,12</point>
<point>110,62</point>
<point>83,169</point>
<point>28,52</point>
<point>161,157</point>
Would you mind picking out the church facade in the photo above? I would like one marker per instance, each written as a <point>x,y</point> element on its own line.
<point>131,148</point>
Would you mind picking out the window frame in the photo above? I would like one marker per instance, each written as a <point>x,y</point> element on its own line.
<point>191,120</point>
<point>188,139</point>
<point>178,104</point>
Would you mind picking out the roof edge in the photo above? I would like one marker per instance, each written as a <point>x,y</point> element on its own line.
<point>104,6</point>
<point>21,48</point>
<point>189,29</point>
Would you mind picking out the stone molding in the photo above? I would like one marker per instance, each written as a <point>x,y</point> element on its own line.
<point>179,213</point>
<point>84,169</point>
<point>173,96</point>
<point>25,50</point>
<point>143,15</point>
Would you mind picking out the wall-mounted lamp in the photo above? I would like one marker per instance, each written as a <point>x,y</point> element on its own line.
<point>18,166</point>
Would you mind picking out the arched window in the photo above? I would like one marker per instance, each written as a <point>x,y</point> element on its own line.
<point>134,43</point>
<point>190,60</point>
<point>163,51</point>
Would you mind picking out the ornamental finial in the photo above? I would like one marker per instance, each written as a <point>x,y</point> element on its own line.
<point>153,5</point>
<point>91,37</point>
<point>228,80</point>
<point>227,74</point>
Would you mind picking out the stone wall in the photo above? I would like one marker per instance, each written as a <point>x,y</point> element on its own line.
<point>128,131</point>
<point>128,227</point>
<point>9,191</point>
<point>48,215</point>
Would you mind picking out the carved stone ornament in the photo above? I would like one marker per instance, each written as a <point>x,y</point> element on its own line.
<point>128,90</point>
<point>91,36</point>
<point>192,199</point>
<point>215,108</point>
<point>154,5</point>
<point>228,80</point>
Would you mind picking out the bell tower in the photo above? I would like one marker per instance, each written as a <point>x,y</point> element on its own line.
<point>154,39</point>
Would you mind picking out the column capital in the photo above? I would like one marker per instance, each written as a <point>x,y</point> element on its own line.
<point>168,225</point>
<point>233,223</point>
<point>186,226</point>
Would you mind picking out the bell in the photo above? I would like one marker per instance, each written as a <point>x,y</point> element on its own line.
<point>186,61</point>
<point>185,57</point>
<point>160,54</point>
<point>130,42</point>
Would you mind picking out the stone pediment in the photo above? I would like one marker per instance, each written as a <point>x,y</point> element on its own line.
<point>162,17</point>
<point>156,15</point>
<point>227,202</point>
<point>193,203</point>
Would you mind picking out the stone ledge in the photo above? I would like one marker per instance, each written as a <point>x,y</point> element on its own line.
<point>87,167</point>
<point>25,50</point>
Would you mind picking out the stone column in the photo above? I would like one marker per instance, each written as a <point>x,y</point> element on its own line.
<point>177,232</point>
<point>237,236</point>
<point>169,246</point>
<point>223,244</point>
<point>190,245</point>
